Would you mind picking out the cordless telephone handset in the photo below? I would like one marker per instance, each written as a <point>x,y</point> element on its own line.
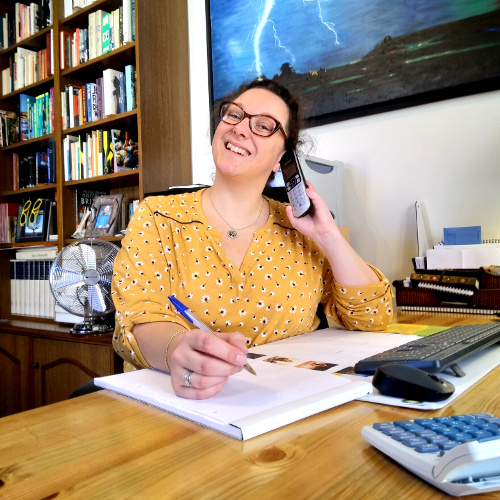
<point>295,184</point>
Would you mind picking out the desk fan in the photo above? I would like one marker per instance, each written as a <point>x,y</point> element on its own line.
<point>80,280</point>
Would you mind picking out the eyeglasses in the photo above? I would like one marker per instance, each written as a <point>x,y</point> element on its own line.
<point>263,125</point>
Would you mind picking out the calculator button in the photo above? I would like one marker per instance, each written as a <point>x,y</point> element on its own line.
<point>448,445</point>
<point>427,448</point>
<point>414,441</point>
<point>461,437</point>
<point>408,425</point>
<point>392,430</point>
<point>403,435</point>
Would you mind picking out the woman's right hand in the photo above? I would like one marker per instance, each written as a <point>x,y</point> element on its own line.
<point>210,359</point>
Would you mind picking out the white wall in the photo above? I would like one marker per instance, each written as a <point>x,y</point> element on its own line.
<point>445,155</point>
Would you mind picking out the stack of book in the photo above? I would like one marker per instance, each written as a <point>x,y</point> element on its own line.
<point>104,32</point>
<point>99,152</point>
<point>26,19</point>
<point>30,293</point>
<point>27,66</point>
<point>473,291</point>
<point>113,93</point>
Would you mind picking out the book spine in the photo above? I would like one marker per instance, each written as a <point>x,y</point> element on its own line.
<point>106,42</point>
<point>91,37</point>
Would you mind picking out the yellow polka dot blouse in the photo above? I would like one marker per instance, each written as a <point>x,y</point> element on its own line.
<point>171,249</point>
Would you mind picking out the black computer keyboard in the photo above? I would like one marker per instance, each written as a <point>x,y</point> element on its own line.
<point>436,352</point>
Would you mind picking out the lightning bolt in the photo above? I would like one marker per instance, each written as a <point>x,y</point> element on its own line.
<point>261,22</point>
<point>328,24</point>
<point>266,7</point>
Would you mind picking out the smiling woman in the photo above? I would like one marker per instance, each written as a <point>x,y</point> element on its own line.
<point>238,260</point>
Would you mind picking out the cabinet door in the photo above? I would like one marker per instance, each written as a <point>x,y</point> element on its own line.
<point>14,370</point>
<point>61,367</point>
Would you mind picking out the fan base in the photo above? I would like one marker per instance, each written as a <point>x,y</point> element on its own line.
<point>87,328</point>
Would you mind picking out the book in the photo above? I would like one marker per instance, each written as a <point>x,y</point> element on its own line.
<point>33,220</point>
<point>107,145</point>
<point>125,151</point>
<point>37,253</point>
<point>42,168</point>
<point>10,131</point>
<point>99,14</point>
<point>26,103</point>
<point>111,92</point>
<point>130,88</point>
<point>91,36</point>
<point>84,199</point>
<point>65,41</point>
<point>8,211</point>
<point>294,380</point>
<point>27,174</point>
<point>106,33</point>
<point>461,285</point>
<point>127,21</point>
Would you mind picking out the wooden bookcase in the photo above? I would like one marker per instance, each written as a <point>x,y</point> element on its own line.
<point>160,55</point>
<point>161,120</point>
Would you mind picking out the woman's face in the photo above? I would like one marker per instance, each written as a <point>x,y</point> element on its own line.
<point>237,151</point>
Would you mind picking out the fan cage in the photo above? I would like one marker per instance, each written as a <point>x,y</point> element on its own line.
<point>80,278</point>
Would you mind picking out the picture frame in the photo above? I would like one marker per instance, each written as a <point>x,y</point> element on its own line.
<point>34,220</point>
<point>345,61</point>
<point>104,215</point>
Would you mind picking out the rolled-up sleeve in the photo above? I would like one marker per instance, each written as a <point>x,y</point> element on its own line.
<point>366,307</point>
<point>141,284</point>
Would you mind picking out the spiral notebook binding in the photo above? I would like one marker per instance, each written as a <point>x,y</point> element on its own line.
<point>447,289</point>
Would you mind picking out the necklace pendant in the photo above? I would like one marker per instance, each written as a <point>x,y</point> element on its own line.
<point>232,233</point>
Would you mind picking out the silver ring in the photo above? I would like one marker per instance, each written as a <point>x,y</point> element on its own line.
<point>187,379</point>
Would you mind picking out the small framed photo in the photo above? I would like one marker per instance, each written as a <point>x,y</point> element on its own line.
<point>104,215</point>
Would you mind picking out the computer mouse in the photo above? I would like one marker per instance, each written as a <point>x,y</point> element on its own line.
<point>408,382</point>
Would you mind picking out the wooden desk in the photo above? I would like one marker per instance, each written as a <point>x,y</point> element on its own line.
<point>107,446</point>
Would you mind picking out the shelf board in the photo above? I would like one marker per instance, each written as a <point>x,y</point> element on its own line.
<point>88,70</point>
<point>42,85</point>
<point>37,141</point>
<point>129,118</point>
<point>36,189</point>
<point>34,42</point>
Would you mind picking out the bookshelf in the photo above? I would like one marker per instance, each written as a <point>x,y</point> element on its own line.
<point>160,120</point>
<point>44,363</point>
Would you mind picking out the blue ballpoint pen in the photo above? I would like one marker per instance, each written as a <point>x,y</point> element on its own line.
<point>188,314</point>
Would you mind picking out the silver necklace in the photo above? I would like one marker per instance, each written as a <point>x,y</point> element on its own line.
<point>233,233</point>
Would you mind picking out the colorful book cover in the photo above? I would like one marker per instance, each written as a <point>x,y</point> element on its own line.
<point>25,104</point>
<point>125,150</point>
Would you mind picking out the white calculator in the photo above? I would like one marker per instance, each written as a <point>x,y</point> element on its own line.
<point>458,454</point>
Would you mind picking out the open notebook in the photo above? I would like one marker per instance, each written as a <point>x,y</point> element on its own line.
<point>296,377</point>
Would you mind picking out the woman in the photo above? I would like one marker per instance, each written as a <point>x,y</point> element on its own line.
<point>240,261</point>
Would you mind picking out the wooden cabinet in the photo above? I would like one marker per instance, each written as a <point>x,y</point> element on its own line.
<point>45,364</point>
<point>14,374</point>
